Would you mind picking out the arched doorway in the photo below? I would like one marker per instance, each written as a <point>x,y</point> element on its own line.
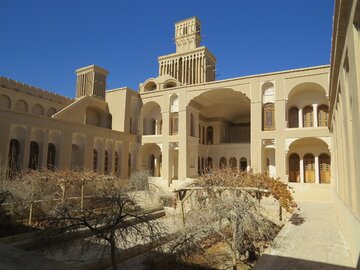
<point>294,168</point>
<point>13,159</point>
<point>324,168</point>
<point>243,164</point>
<point>232,163</point>
<point>34,156</point>
<point>222,163</point>
<point>309,168</point>
<point>51,156</point>
<point>152,165</point>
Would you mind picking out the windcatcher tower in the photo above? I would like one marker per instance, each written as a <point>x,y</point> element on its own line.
<point>91,81</point>
<point>192,63</point>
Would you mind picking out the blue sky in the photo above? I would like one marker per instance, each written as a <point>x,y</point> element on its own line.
<point>44,41</point>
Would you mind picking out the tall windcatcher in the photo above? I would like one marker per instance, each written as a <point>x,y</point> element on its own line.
<point>192,63</point>
<point>91,81</point>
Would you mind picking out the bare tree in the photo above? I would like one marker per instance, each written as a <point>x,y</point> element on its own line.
<point>227,212</point>
<point>113,216</point>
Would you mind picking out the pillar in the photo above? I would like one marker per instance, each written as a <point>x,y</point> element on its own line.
<point>317,175</point>
<point>300,118</point>
<point>183,153</point>
<point>26,149</point>
<point>89,153</point>
<point>302,170</point>
<point>124,160</point>
<point>43,162</point>
<point>315,113</point>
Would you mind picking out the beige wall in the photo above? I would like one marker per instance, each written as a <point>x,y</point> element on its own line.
<point>345,117</point>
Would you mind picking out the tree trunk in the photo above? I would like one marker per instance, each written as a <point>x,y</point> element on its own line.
<point>234,247</point>
<point>113,253</point>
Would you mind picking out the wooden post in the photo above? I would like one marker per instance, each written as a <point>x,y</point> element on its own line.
<point>30,213</point>
<point>280,212</point>
<point>182,213</point>
<point>82,198</point>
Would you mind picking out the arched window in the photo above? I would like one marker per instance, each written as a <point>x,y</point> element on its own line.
<point>150,86</point>
<point>222,162</point>
<point>5,102</point>
<point>323,115</point>
<point>294,168</point>
<point>130,125</point>
<point>243,164</point>
<point>324,168</point>
<point>269,116</point>
<point>106,163</point>
<point>192,125</point>
<point>37,109</point>
<point>232,163</point>
<point>199,133</point>
<point>293,117</point>
<point>13,159</point>
<point>309,168</point>
<point>116,161</point>
<point>174,123</point>
<point>129,165</point>
<point>95,160</point>
<point>308,118</point>
<point>34,156</point>
<point>209,135</point>
<point>51,111</point>
<point>51,155</point>
<point>21,106</point>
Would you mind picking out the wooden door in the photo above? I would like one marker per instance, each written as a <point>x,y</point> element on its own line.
<point>308,117</point>
<point>309,168</point>
<point>294,168</point>
<point>324,168</point>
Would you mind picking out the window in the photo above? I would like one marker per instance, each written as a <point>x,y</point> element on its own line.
<point>293,117</point>
<point>268,116</point>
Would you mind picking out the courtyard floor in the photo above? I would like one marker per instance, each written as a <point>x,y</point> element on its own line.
<point>315,243</point>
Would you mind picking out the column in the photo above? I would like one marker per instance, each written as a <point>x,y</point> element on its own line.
<point>43,162</point>
<point>89,153</point>
<point>124,160</point>
<point>302,171</point>
<point>183,153</point>
<point>26,149</point>
<point>317,175</point>
<point>315,113</point>
<point>65,151</point>
<point>5,141</point>
<point>300,118</point>
<point>165,174</point>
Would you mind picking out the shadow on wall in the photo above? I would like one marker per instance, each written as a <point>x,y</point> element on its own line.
<point>272,262</point>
